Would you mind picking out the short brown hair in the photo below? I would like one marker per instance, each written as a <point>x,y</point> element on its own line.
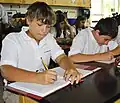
<point>41,11</point>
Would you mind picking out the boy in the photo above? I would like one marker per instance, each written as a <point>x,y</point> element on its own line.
<point>22,52</point>
<point>96,44</point>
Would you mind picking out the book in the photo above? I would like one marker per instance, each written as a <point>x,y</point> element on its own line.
<point>107,61</point>
<point>44,90</point>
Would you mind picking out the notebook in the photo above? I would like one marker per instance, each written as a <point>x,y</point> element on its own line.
<point>107,62</point>
<point>44,90</point>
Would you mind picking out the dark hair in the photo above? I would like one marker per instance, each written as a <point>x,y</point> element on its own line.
<point>77,22</point>
<point>59,18</point>
<point>118,19</point>
<point>107,26</point>
<point>41,11</point>
<point>58,12</point>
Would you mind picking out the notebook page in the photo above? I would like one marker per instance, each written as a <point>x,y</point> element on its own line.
<point>85,73</point>
<point>44,90</point>
<point>40,90</point>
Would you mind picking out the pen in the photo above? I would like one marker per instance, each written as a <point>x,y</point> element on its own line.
<point>44,64</point>
<point>108,49</point>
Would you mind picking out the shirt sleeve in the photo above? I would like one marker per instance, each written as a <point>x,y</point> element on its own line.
<point>112,45</point>
<point>78,44</point>
<point>55,48</point>
<point>9,52</point>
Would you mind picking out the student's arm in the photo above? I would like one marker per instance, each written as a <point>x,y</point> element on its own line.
<point>71,71</point>
<point>12,73</point>
<point>91,57</point>
<point>71,29</point>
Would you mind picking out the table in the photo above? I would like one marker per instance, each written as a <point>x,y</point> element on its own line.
<point>100,87</point>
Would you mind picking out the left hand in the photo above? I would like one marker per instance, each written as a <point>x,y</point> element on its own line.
<point>73,75</point>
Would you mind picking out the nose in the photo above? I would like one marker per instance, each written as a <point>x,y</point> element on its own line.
<point>106,42</point>
<point>44,29</point>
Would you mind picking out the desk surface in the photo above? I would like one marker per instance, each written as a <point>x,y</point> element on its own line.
<point>97,88</point>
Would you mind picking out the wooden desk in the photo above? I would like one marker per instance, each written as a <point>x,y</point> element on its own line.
<point>100,87</point>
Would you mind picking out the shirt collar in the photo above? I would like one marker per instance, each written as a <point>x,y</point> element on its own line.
<point>26,37</point>
<point>24,34</point>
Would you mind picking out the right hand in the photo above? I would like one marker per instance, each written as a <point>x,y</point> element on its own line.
<point>46,77</point>
<point>106,56</point>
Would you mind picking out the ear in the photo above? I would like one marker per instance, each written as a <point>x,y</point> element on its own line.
<point>97,32</point>
<point>27,21</point>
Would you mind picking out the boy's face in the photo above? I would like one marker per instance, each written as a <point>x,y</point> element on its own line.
<point>37,29</point>
<point>103,39</point>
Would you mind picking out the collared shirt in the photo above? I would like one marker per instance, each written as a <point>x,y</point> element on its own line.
<point>85,43</point>
<point>21,51</point>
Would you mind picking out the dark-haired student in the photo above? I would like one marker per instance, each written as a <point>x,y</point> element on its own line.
<point>96,44</point>
<point>22,52</point>
<point>80,23</point>
<point>62,29</point>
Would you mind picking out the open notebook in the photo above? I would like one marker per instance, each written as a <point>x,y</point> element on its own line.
<point>44,90</point>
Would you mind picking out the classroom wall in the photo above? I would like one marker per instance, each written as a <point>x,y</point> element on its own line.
<point>71,11</point>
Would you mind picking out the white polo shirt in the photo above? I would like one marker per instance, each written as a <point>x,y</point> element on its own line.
<point>21,51</point>
<point>85,43</point>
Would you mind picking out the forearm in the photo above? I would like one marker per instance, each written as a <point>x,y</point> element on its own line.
<point>65,62</point>
<point>84,57</point>
<point>16,74</point>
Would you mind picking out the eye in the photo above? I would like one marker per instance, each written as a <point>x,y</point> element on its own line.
<point>48,26</point>
<point>39,24</point>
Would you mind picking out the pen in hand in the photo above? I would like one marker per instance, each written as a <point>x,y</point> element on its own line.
<point>108,49</point>
<point>111,55</point>
<point>44,64</point>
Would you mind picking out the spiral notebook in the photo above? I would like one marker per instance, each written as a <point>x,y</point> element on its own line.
<point>44,90</point>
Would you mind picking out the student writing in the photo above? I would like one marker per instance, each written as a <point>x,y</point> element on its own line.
<point>21,52</point>
<point>91,44</point>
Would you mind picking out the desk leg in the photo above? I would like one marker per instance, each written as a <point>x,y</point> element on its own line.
<point>24,99</point>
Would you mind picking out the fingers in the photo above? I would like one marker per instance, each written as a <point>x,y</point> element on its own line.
<point>72,76</point>
<point>78,78</point>
<point>46,77</point>
<point>111,56</point>
<point>51,76</point>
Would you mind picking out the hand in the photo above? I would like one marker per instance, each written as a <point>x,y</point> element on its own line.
<point>46,77</point>
<point>73,75</point>
<point>106,56</point>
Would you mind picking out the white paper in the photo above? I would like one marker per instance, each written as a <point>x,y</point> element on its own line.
<point>44,90</point>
